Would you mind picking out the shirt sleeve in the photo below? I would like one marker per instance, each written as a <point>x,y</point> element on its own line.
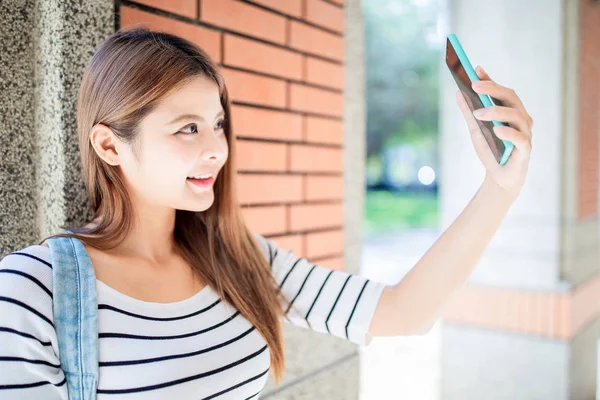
<point>323,300</point>
<point>29,365</point>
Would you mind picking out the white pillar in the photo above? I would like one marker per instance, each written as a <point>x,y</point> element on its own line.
<point>522,328</point>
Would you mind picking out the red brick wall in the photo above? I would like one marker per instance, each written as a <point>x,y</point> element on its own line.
<point>589,108</point>
<point>283,64</point>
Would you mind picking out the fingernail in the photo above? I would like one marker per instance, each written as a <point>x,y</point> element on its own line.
<point>479,113</point>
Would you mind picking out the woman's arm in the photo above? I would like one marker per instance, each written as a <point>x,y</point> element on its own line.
<point>412,305</point>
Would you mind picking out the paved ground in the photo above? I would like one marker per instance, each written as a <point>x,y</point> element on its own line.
<point>403,367</point>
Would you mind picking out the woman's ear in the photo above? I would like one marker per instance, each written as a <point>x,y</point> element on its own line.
<point>104,142</point>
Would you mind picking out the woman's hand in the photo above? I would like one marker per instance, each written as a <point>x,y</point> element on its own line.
<point>412,305</point>
<point>510,177</point>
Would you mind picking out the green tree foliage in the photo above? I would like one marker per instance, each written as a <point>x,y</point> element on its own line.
<point>402,61</point>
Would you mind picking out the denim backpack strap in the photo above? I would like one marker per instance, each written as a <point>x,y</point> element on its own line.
<point>75,315</point>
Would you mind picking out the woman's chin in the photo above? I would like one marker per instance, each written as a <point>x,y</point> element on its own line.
<point>202,204</point>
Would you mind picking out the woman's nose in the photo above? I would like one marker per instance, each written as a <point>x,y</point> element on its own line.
<point>213,146</point>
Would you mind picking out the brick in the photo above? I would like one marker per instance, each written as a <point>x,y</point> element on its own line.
<point>324,188</point>
<point>208,39</point>
<point>264,189</point>
<point>544,313</point>
<point>335,263</point>
<point>589,111</point>
<point>324,130</point>
<point>324,244</point>
<point>289,7</point>
<point>316,41</point>
<point>294,243</point>
<point>187,8</point>
<point>325,14</point>
<point>259,156</point>
<point>265,220</point>
<point>305,217</point>
<point>253,55</point>
<point>532,313</point>
<point>308,99</point>
<point>245,18</point>
<point>324,73</point>
<point>267,124</point>
<point>250,88</point>
<point>315,159</point>
<point>563,317</point>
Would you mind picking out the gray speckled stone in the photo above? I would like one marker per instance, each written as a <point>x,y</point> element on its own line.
<point>45,46</point>
<point>306,352</point>
<point>354,137</point>
<point>17,126</point>
<point>333,383</point>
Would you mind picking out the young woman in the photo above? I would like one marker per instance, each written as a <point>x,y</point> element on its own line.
<point>189,301</point>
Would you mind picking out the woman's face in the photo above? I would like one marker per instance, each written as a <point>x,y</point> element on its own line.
<point>182,137</point>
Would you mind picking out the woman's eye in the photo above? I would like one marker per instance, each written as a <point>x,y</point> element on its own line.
<point>193,127</point>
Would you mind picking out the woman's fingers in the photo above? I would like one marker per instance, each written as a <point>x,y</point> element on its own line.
<point>491,88</point>
<point>521,140</point>
<point>482,74</point>
<point>507,96</point>
<point>466,111</point>
<point>509,115</point>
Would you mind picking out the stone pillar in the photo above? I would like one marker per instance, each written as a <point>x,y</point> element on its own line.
<point>44,46</point>
<point>526,325</point>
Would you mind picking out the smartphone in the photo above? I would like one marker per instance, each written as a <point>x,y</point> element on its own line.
<point>464,74</point>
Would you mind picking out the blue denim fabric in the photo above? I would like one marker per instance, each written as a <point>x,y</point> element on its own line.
<point>75,316</point>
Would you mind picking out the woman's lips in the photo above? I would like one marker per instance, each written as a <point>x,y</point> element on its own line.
<point>202,182</point>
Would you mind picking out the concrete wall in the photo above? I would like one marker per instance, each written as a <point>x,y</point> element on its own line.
<point>44,46</point>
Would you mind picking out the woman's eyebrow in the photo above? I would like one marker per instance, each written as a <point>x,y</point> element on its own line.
<point>184,117</point>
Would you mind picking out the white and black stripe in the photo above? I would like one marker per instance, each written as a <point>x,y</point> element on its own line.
<point>199,348</point>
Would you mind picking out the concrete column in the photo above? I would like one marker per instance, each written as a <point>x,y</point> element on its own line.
<point>44,46</point>
<point>526,325</point>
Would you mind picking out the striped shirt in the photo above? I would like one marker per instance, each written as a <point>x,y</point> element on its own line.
<point>198,348</point>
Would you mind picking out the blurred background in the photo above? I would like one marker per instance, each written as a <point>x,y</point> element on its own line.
<point>404,42</point>
<point>526,324</point>
<point>352,153</point>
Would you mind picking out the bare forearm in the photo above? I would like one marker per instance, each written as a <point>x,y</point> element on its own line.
<point>416,302</point>
<point>418,299</point>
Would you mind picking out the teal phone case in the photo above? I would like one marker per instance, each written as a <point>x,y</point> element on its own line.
<point>485,99</point>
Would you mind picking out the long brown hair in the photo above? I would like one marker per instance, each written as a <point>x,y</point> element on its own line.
<point>128,75</point>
